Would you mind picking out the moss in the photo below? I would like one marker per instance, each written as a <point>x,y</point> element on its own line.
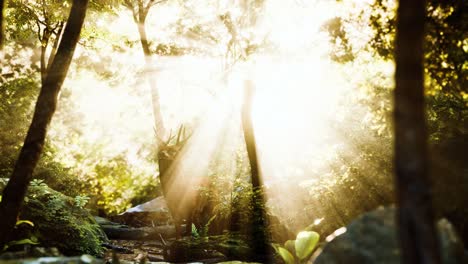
<point>60,223</point>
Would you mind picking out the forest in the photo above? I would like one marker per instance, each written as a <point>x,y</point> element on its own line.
<point>247,131</point>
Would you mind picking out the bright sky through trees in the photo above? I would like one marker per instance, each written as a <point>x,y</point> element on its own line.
<point>301,102</point>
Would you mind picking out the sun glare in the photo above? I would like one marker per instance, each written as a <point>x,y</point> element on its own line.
<point>297,98</point>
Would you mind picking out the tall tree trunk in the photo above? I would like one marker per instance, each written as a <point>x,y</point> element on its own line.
<point>2,23</point>
<point>165,152</point>
<point>14,192</point>
<point>139,16</point>
<point>260,233</point>
<point>415,217</point>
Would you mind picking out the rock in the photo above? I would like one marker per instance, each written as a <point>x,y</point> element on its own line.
<point>30,252</point>
<point>372,238</point>
<point>84,259</point>
<point>189,250</point>
<point>115,230</point>
<point>156,205</point>
<point>106,222</point>
<point>59,223</point>
<point>139,233</point>
<point>152,213</point>
<point>210,249</point>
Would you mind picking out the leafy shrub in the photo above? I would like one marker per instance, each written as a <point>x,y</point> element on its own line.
<point>299,250</point>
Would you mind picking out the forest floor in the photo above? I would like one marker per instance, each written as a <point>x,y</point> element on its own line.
<point>135,251</point>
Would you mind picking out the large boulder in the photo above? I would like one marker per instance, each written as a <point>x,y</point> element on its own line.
<point>59,222</point>
<point>152,213</point>
<point>372,238</point>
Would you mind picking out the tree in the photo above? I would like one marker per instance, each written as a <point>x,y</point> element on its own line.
<point>165,151</point>
<point>2,7</point>
<point>446,27</point>
<point>45,19</point>
<point>140,10</point>
<point>14,192</point>
<point>415,217</point>
<point>260,234</point>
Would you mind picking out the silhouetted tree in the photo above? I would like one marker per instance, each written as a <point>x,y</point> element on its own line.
<point>260,234</point>
<point>415,216</point>
<point>15,190</point>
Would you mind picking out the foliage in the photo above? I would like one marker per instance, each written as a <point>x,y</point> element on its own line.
<point>19,86</point>
<point>81,200</point>
<point>203,232</point>
<point>446,47</point>
<point>117,186</point>
<point>18,90</point>
<point>56,216</point>
<point>300,249</point>
<point>38,183</point>
<point>31,239</point>
<point>341,48</point>
<point>84,158</point>
<point>228,195</point>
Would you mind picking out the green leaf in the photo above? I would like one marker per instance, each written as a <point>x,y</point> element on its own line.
<point>195,231</point>
<point>25,241</point>
<point>305,243</point>
<point>290,246</point>
<point>27,222</point>
<point>286,255</point>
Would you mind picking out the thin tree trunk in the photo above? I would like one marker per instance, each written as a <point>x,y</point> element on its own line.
<point>2,23</point>
<point>140,20</point>
<point>415,217</point>
<point>165,158</point>
<point>260,233</point>
<point>143,38</point>
<point>15,190</point>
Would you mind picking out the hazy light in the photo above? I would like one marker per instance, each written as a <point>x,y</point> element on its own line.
<point>337,232</point>
<point>300,96</point>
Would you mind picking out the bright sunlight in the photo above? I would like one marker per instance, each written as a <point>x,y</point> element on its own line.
<point>209,131</point>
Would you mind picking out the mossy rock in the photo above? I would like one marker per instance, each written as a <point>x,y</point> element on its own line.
<point>59,223</point>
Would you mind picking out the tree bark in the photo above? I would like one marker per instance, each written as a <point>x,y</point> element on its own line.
<point>260,234</point>
<point>417,233</point>
<point>15,190</point>
<point>2,23</point>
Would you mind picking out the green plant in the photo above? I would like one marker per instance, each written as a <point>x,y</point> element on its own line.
<point>203,231</point>
<point>195,233</point>
<point>38,183</point>
<point>81,200</point>
<point>298,251</point>
<point>32,240</point>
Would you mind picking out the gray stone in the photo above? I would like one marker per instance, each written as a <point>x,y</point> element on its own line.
<point>152,213</point>
<point>372,238</point>
<point>84,259</point>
